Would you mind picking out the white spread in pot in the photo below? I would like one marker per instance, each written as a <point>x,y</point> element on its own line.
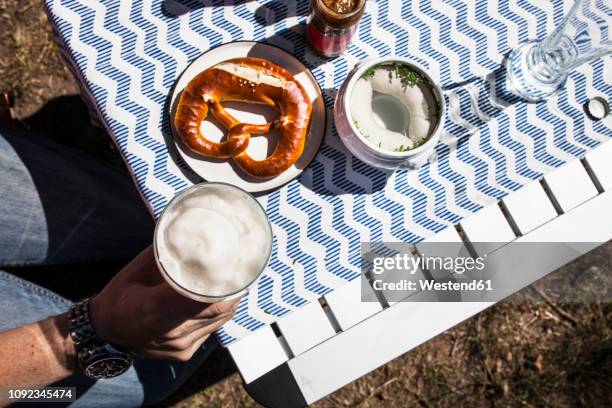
<point>393,107</point>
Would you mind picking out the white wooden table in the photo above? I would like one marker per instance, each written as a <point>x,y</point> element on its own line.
<point>129,54</point>
<point>321,347</point>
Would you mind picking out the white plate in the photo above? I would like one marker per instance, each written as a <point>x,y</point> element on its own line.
<point>259,146</point>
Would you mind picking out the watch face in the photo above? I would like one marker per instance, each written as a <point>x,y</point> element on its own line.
<point>107,366</point>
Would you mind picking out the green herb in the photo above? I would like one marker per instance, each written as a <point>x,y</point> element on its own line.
<point>420,143</point>
<point>379,144</point>
<point>369,73</point>
<point>403,148</point>
<point>356,122</point>
<point>404,72</point>
<point>407,75</point>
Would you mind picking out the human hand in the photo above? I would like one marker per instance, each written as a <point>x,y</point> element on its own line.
<point>140,312</point>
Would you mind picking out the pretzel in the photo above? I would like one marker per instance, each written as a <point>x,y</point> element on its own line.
<point>250,80</point>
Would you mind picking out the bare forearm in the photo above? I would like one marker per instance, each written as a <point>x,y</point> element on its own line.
<point>36,354</point>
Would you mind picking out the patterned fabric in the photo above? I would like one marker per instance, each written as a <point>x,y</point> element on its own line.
<point>128,55</point>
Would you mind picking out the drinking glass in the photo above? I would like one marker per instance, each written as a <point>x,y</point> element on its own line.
<point>539,68</point>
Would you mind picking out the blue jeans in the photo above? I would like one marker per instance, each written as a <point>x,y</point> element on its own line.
<point>57,206</point>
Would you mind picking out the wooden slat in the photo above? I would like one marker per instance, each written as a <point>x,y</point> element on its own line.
<point>449,234</point>
<point>305,328</point>
<point>589,222</point>
<point>430,248</point>
<point>396,276</point>
<point>488,229</point>
<point>570,185</point>
<point>600,161</point>
<point>530,207</point>
<point>447,243</point>
<point>257,353</point>
<point>347,307</point>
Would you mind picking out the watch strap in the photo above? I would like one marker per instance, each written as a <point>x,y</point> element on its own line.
<point>92,350</point>
<point>81,329</point>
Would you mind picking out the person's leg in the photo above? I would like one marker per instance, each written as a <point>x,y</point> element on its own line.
<point>60,206</point>
<point>148,382</point>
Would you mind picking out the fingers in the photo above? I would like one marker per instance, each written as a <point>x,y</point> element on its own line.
<point>197,338</point>
<point>185,331</point>
<point>182,347</point>
<point>173,302</point>
<point>215,309</point>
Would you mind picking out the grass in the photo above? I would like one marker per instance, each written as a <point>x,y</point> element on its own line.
<point>30,62</point>
<point>541,347</point>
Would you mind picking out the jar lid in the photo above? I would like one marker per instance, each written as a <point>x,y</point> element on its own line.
<point>338,20</point>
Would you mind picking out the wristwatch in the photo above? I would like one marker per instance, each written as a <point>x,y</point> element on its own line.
<point>96,357</point>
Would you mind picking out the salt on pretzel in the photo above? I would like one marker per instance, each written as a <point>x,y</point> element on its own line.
<point>250,80</point>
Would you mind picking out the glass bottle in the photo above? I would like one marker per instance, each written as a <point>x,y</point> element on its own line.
<point>539,68</point>
<point>332,24</point>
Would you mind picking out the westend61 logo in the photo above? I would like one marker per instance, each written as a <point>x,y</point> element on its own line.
<point>411,263</point>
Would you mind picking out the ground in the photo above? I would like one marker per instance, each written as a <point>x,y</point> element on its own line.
<point>538,348</point>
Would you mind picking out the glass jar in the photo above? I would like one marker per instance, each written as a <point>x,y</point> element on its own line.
<point>332,24</point>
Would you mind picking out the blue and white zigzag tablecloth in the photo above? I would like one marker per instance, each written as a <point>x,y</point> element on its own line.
<point>128,54</point>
